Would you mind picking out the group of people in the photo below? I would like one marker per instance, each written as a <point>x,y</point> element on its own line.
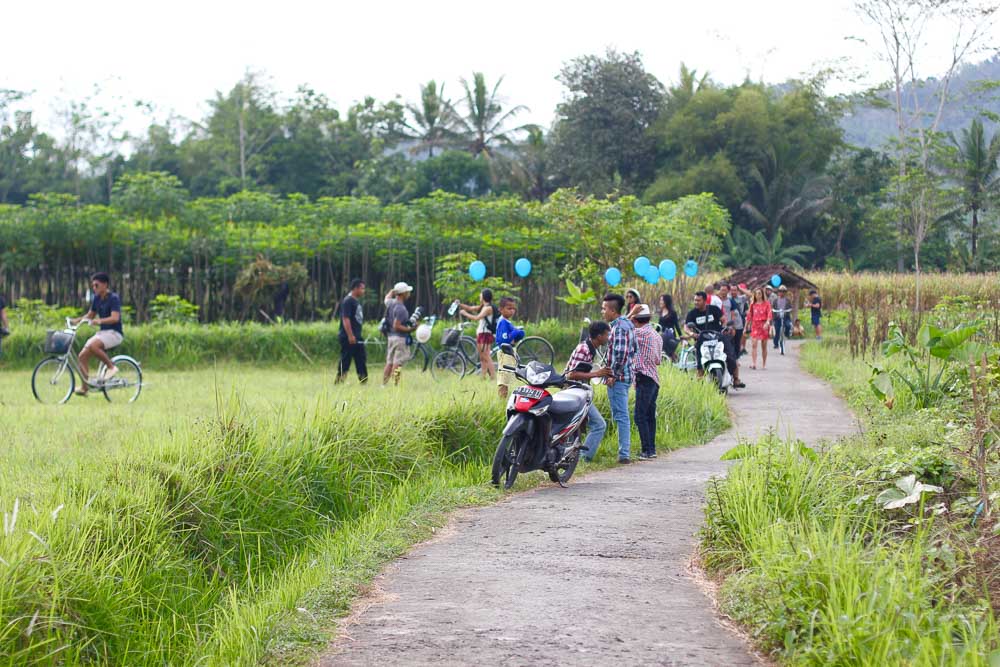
<point>635,346</point>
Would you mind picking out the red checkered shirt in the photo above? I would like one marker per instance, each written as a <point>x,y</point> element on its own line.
<point>650,350</point>
<point>581,355</point>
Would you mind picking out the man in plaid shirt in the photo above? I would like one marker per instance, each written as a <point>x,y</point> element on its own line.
<point>647,379</point>
<point>621,360</point>
<point>584,354</point>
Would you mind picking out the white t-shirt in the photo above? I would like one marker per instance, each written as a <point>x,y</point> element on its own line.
<point>716,301</point>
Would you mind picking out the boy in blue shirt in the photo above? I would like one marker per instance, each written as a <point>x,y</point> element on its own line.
<point>509,334</point>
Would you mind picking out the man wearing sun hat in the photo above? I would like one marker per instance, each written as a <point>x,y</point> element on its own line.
<point>397,319</point>
<point>649,351</point>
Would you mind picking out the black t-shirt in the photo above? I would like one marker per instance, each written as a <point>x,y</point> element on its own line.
<point>818,305</point>
<point>669,322</point>
<point>352,310</point>
<point>709,319</point>
<point>104,307</point>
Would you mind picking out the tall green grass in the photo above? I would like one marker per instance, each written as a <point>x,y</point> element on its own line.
<point>821,577</point>
<point>819,573</point>
<point>193,526</point>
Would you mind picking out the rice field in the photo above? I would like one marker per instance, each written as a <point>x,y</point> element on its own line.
<point>190,526</point>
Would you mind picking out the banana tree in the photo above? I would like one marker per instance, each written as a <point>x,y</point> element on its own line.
<point>930,369</point>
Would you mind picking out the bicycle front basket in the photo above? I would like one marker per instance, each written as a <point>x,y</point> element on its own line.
<point>57,342</point>
<point>450,337</point>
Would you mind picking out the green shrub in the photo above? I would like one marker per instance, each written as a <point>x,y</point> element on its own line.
<point>172,308</point>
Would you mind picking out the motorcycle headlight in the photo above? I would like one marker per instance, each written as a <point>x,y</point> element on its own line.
<point>536,374</point>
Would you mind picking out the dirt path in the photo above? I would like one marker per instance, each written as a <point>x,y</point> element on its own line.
<point>595,574</point>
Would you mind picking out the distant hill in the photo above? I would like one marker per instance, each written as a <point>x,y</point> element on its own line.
<point>871,128</point>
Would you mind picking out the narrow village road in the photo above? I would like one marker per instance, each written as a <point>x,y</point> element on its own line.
<point>595,574</point>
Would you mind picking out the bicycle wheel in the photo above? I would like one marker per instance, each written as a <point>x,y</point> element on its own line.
<point>53,381</point>
<point>448,363</point>
<point>467,345</point>
<point>421,358</point>
<point>536,348</point>
<point>126,385</point>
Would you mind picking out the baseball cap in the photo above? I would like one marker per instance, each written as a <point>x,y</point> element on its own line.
<point>642,312</point>
<point>783,288</point>
<point>402,288</point>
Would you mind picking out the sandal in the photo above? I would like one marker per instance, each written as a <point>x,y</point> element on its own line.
<point>80,392</point>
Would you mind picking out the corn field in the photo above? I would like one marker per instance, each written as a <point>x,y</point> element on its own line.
<point>871,301</point>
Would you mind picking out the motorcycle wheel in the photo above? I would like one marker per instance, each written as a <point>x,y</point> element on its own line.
<point>561,474</point>
<point>717,377</point>
<point>504,466</point>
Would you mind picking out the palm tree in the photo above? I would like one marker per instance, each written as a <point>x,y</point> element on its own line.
<point>532,172</point>
<point>978,169</point>
<point>746,249</point>
<point>481,129</point>
<point>781,199</point>
<point>432,121</point>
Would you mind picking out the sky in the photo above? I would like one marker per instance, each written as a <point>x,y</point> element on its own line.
<point>176,54</point>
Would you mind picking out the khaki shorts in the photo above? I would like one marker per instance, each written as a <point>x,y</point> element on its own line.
<point>109,337</point>
<point>505,377</point>
<point>397,352</point>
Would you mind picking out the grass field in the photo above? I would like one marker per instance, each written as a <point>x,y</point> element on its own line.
<point>191,526</point>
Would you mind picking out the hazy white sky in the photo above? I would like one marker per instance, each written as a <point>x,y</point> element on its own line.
<point>175,54</point>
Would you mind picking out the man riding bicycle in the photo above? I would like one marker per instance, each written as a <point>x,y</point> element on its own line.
<point>105,311</point>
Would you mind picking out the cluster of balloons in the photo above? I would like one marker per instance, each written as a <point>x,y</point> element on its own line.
<point>667,270</point>
<point>477,269</point>
<point>643,267</point>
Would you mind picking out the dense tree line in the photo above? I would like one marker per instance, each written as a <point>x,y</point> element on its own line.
<point>774,156</point>
<point>230,255</point>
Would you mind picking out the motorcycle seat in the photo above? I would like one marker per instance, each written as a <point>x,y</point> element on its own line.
<point>567,402</point>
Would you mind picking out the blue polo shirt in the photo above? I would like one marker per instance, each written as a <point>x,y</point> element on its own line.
<point>507,332</point>
<point>104,307</point>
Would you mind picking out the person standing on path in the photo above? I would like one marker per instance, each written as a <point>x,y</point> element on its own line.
<point>486,315</point>
<point>782,314</point>
<point>713,298</point>
<point>599,332</point>
<point>649,352</point>
<point>352,346</point>
<point>760,316</point>
<point>397,318</point>
<point>816,309</point>
<point>621,360</point>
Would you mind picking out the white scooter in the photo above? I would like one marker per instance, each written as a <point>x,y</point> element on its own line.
<point>714,358</point>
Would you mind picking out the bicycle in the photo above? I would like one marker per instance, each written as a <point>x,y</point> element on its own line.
<point>54,379</point>
<point>779,322</point>
<point>452,358</point>
<point>531,348</point>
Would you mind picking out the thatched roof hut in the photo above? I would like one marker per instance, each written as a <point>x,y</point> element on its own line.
<point>760,276</point>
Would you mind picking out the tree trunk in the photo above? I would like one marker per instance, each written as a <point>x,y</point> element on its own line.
<point>974,234</point>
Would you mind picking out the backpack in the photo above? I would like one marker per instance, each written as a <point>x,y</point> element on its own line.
<point>491,320</point>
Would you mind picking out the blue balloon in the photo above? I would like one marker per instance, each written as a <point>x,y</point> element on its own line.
<point>668,270</point>
<point>641,265</point>
<point>613,276</point>
<point>477,270</point>
<point>652,275</point>
<point>690,268</point>
<point>776,280</point>
<point>523,267</point>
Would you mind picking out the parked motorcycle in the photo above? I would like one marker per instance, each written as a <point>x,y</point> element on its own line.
<point>543,430</point>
